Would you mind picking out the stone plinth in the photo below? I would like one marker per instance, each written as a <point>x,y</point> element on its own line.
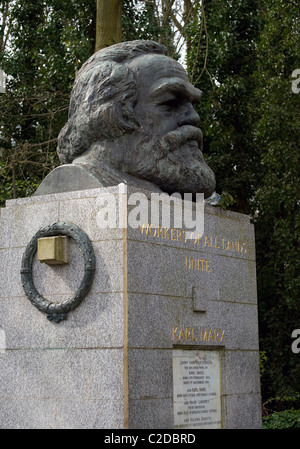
<point>110,363</point>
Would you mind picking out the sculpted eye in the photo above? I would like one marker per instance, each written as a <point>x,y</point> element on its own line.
<point>169,105</point>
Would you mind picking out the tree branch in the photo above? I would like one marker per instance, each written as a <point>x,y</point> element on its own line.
<point>177,23</point>
<point>168,10</point>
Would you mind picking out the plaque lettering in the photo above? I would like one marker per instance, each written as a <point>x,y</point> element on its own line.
<point>197,389</point>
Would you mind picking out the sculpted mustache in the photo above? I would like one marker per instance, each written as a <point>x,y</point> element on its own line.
<point>174,139</point>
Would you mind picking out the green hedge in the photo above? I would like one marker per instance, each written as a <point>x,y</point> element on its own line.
<point>288,419</point>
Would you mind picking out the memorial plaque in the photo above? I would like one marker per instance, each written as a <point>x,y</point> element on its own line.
<point>197,389</point>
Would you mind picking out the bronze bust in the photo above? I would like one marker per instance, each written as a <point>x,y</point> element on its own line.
<point>132,120</point>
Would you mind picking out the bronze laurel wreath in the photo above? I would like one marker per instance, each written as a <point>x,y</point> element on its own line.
<point>58,311</point>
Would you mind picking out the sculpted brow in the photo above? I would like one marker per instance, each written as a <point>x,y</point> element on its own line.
<point>179,89</point>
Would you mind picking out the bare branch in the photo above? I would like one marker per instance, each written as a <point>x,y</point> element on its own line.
<point>47,142</point>
<point>167,10</point>
<point>177,23</point>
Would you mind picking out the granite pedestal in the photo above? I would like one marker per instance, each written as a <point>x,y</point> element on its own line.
<point>167,336</point>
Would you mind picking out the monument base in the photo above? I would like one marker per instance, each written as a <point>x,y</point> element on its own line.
<point>166,337</point>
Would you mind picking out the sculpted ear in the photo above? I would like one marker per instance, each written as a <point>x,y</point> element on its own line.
<point>128,119</point>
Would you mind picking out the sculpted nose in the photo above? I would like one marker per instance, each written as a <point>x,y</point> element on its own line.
<point>189,116</point>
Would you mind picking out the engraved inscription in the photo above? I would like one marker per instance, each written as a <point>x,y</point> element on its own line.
<point>209,241</point>
<point>197,389</point>
<point>190,334</point>
<point>197,264</point>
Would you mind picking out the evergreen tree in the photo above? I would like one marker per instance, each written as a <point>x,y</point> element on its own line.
<point>49,40</point>
<point>277,196</point>
<point>242,54</point>
<point>221,62</point>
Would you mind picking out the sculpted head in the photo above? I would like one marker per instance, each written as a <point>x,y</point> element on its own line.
<point>132,110</point>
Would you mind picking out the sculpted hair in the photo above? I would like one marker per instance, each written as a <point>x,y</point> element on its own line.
<point>103,98</point>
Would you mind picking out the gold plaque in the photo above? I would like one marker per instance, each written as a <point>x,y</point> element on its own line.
<point>53,250</point>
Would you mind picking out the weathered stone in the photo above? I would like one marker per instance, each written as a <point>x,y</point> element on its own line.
<point>113,354</point>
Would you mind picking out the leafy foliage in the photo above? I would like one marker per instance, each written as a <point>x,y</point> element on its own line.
<point>242,55</point>
<point>277,135</point>
<point>140,23</point>
<point>49,40</point>
<point>221,62</point>
<point>149,20</point>
<point>287,419</point>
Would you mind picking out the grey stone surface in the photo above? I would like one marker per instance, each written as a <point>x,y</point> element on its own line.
<point>238,321</point>
<point>73,374</point>
<point>158,383</point>
<point>47,413</point>
<point>171,276</point>
<point>10,272</point>
<point>59,378</point>
<point>62,374</point>
<point>45,199</point>
<point>97,323</point>
<point>239,411</point>
<point>19,224</point>
<point>151,413</point>
<point>241,363</point>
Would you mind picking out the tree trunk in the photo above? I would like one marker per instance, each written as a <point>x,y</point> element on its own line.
<point>3,36</point>
<point>108,23</point>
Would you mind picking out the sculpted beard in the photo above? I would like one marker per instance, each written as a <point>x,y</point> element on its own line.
<point>175,162</point>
